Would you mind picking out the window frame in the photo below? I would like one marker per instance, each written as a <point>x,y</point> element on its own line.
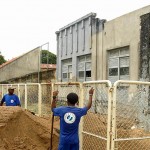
<point>118,57</point>
<point>67,64</point>
<point>84,68</point>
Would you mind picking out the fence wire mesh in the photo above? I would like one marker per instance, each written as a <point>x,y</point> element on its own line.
<point>95,122</point>
<point>32,97</point>
<point>21,95</point>
<point>132,116</point>
<point>64,90</point>
<point>46,99</point>
<point>131,112</point>
<point>93,143</point>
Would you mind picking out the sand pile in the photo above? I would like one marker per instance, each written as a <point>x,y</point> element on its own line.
<point>21,130</point>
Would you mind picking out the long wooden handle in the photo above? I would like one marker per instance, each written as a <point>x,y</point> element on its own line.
<point>51,137</point>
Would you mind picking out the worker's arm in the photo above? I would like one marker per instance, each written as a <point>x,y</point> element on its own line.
<point>53,105</point>
<point>91,91</point>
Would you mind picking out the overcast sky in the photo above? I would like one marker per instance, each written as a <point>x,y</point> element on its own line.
<point>27,24</point>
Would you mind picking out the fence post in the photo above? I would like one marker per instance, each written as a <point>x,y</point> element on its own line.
<point>52,115</point>
<point>39,99</point>
<point>113,118</point>
<point>81,122</point>
<point>19,91</point>
<point>110,94</point>
<point>25,96</point>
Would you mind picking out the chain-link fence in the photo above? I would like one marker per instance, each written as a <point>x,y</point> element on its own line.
<point>119,118</point>
<point>33,96</point>
<point>131,116</point>
<point>46,90</point>
<point>64,89</point>
<point>96,124</point>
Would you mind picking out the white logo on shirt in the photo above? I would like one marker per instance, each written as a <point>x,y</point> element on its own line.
<point>69,118</point>
<point>12,101</point>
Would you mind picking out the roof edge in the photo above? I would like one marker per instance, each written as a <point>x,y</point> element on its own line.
<point>78,20</point>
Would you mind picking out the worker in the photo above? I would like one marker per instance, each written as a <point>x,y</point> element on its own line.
<point>69,119</point>
<point>10,99</point>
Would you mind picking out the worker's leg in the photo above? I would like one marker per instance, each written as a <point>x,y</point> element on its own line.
<point>64,147</point>
<point>74,146</point>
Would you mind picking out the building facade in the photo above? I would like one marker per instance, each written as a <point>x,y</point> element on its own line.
<point>76,47</point>
<point>94,49</point>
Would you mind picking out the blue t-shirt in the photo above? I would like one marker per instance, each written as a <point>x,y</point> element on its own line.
<point>69,123</point>
<point>11,100</point>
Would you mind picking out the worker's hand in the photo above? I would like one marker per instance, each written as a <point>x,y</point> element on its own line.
<point>55,93</point>
<point>91,91</point>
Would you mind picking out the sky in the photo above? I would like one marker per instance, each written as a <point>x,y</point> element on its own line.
<point>27,24</point>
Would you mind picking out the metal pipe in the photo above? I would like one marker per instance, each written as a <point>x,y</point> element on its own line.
<point>97,136</point>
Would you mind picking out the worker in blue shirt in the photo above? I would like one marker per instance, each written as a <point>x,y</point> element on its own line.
<point>69,119</point>
<point>10,99</point>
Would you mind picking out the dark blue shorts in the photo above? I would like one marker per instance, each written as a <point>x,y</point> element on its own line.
<point>68,146</point>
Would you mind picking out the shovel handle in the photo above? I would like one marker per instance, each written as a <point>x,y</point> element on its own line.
<point>51,137</point>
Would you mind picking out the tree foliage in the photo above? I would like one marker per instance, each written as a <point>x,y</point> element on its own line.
<point>48,57</point>
<point>2,59</point>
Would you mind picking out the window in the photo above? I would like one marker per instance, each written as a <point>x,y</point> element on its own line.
<point>113,71</point>
<point>64,75</point>
<point>88,74</point>
<point>118,64</point>
<point>84,68</point>
<point>81,74</point>
<point>67,70</point>
<point>70,72</point>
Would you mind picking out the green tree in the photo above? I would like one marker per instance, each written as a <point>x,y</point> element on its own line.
<point>48,57</point>
<point>2,59</point>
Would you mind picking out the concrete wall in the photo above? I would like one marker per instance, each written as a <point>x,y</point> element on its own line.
<point>25,64</point>
<point>45,77</point>
<point>144,70</point>
<point>120,32</point>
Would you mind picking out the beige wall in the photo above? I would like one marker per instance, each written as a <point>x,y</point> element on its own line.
<point>45,76</point>
<point>120,32</point>
<point>21,66</point>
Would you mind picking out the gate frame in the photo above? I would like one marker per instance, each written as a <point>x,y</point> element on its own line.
<point>109,117</point>
<point>113,138</point>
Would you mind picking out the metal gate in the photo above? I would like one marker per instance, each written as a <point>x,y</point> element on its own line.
<point>95,128</point>
<point>118,120</point>
<point>131,116</point>
<point>96,124</point>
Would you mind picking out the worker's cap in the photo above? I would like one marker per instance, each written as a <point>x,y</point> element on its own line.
<point>11,88</point>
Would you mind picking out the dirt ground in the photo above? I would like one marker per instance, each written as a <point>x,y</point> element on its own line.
<point>97,124</point>
<point>21,130</point>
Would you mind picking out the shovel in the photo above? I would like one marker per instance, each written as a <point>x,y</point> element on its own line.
<point>51,136</point>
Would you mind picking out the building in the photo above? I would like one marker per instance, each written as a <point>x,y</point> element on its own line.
<point>47,74</point>
<point>27,69</point>
<point>94,49</point>
<point>76,47</point>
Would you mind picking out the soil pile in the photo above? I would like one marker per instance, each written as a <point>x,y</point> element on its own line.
<point>21,130</point>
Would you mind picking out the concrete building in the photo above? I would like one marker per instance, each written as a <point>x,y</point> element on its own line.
<point>27,68</point>
<point>95,49</point>
<point>76,49</point>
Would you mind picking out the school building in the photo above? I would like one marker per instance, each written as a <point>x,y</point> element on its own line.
<point>95,49</point>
